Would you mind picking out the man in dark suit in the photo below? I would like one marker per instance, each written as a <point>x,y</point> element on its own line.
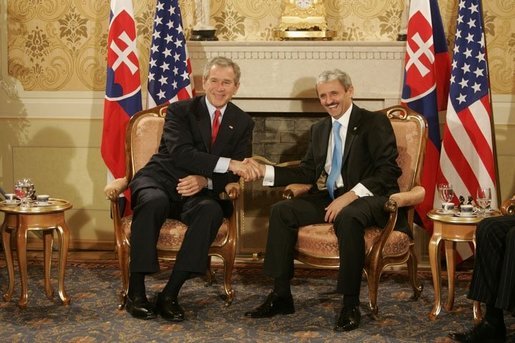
<point>493,279</point>
<point>183,180</point>
<point>359,180</point>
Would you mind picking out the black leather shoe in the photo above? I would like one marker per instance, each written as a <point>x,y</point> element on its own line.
<point>140,308</point>
<point>349,319</point>
<point>274,304</point>
<point>483,332</point>
<point>169,308</point>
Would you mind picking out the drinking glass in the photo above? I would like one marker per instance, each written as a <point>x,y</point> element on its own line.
<point>483,199</point>
<point>24,190</point>
<point>446,194</point>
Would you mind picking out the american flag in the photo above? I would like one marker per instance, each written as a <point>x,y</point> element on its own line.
<point>169,65</point>
<point>426,85</point>
<point>123,85</point>
<point>467,159</point>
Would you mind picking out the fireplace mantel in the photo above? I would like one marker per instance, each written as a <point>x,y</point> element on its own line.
<point>279,76</point>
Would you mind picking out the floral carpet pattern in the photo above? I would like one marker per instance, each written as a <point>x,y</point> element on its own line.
<point>93,316</point>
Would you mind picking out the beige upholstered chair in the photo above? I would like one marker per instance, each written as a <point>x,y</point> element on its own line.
<point>317,244</point>
<point>142,141</point>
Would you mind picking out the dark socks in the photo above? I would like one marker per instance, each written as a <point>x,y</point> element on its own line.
<point>282,288</point>
<point>136,285</point>
<point>494,315</point>
<point>175,283</point>
<point>350,300</point>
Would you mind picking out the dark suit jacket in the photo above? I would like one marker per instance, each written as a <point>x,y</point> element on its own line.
<point>369,157</point>
<point>185,147</point>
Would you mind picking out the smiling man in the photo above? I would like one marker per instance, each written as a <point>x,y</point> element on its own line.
<point>353,152</point>
<point>204,141</point>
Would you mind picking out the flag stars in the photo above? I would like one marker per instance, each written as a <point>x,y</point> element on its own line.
<point>165,66</point>
<point>178,43</point>
<point>163,80</point>
<point>176,71</point>
<point>168,38</point>
<point>185,75</point>
<point>161,94</point>
<point>479,72</point>
<point>158,20</point>
<point>172,10</point>
<point>471,23</point>
<point>480,57</point>
<point>160,6</point>
<point>476,87</point>
<point>470,38</point>
<point>464,83</point>
<point>156,34</point>
<point>461,98</point>
<point>468,53</point>
<point>177,57</point>
<point>174,84</point>
<point>473,8</point>
<point>465,68</point>
<point>167,52</point>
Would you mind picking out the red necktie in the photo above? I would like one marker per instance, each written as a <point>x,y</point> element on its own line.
<point>215,126</point>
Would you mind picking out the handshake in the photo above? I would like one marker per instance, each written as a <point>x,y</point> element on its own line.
<point>249,169</point>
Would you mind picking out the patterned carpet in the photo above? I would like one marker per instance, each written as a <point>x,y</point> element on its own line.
<point>93,316</point>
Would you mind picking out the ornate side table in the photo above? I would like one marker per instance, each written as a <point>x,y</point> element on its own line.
<point>450,228</point>
<point>46,218</point>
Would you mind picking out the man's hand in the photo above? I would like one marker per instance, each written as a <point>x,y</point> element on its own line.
<point>191,185</point>
<point>249,169</point>
<point>338,204</point>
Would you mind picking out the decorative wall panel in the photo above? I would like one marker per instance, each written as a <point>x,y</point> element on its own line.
<point>61,44</point>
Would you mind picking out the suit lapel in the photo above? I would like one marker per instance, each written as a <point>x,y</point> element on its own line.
<point>352,130</point>
<point>226,130</point>
<point>204,123</point>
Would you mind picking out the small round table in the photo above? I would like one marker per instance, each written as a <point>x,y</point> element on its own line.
<point>452,229</point>
<point>39,217</point>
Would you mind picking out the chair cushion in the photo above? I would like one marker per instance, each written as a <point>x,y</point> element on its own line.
<point>320,240</point>
<point>173,231</point>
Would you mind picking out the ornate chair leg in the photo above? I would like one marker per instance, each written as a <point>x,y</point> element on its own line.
<point>413,275</point>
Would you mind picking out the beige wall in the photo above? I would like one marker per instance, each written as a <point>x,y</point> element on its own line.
<point>52,75</point>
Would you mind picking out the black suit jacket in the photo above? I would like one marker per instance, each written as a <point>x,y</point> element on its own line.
<point>369,156</point>
<point>185,147</point>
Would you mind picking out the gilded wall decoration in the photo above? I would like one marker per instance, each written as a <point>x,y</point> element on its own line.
<point>61,44</point>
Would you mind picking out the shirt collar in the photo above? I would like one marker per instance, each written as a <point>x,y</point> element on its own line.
<point>344,119</point>
<point>211,109</point>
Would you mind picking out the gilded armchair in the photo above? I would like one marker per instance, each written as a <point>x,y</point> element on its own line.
<point>143,135</point>
<point>317,244</point>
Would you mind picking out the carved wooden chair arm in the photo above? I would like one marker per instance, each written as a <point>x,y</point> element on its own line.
<point>295,189</point>
<point>508,207</point>
<point>232,191</point>
<point>404,199</point>
<point>116,187</point>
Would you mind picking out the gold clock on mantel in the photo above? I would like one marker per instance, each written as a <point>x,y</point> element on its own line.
<point>303,19</point>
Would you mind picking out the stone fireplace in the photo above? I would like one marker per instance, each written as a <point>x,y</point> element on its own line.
<point>277,89</point>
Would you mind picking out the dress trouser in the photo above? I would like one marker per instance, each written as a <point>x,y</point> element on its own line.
<point>493,279</point>
<point>151,207</point>
<point>288,215</point>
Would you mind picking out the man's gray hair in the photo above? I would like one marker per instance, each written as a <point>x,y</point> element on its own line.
<point>221,61</point>
<point>335,74</point>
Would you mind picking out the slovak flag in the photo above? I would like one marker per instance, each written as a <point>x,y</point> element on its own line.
<point>123,85</point>
<point>426,88</point>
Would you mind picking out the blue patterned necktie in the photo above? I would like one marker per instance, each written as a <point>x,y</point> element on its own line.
<point>336,163</point>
